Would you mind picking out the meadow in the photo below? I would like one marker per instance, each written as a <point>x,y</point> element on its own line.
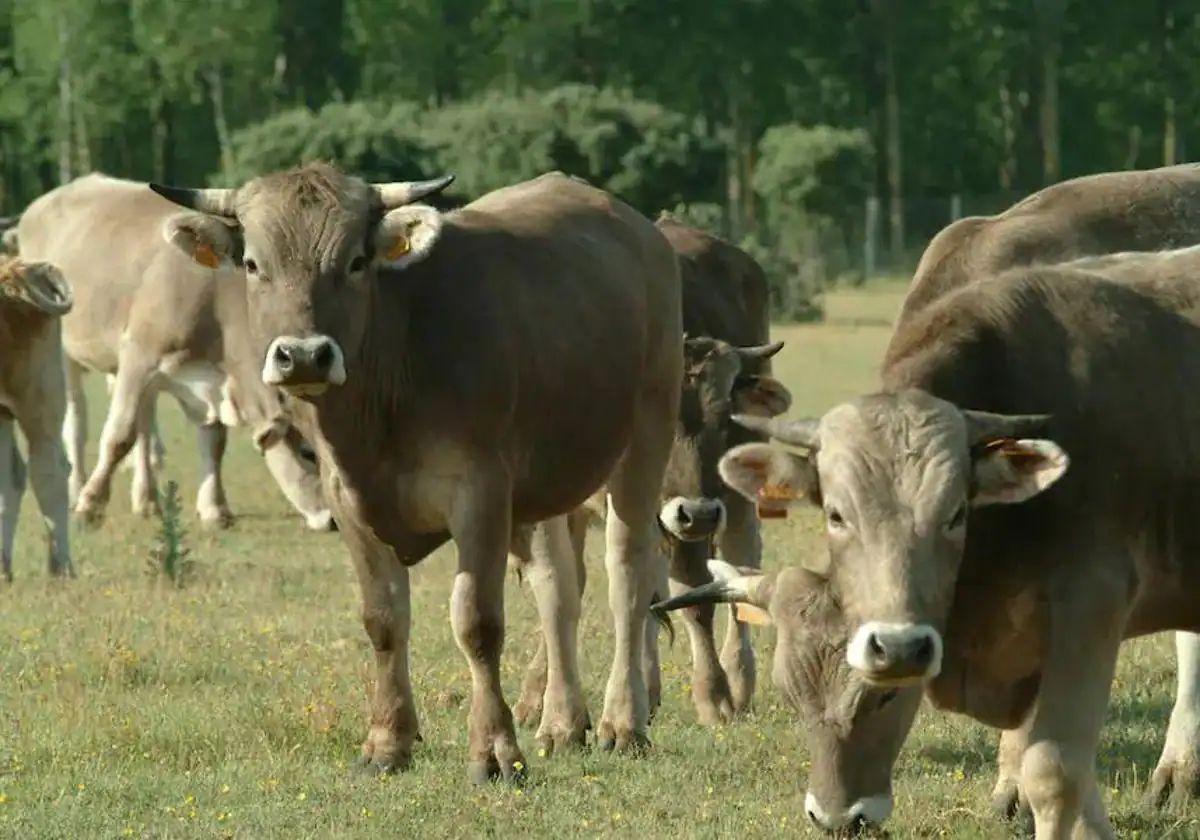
<point>234,707</point>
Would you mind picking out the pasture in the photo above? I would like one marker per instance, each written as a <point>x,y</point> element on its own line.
<point>234,707</point>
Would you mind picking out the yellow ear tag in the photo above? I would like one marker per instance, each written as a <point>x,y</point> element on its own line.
<point>750,614</point>
<point>399,248</point>
<point>206,256</point>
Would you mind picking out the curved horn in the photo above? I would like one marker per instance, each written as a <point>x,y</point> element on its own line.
<point>983,426</point>
<point>399,193</point>
<point>796,432</point>
<point>42,285</point>
<point>730,586</point>
<point>761,351</point>
<point>214,202</point>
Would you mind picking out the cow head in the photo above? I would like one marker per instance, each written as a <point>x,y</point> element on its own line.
<point>718,382</point>
<point>35,287</point>
<point>854,728</point>
<point>311,242</point>
<point>897,475</point>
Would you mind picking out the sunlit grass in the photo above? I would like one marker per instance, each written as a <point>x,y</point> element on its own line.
<point>234,707</point>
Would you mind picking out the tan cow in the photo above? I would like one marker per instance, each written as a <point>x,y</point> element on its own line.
<point>461,374</point>
<point>1038,336</point>
<point>726,367</point>
<point>158,321</point>
<point>33,299</point>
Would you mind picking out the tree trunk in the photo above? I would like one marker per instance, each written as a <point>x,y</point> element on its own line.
<point>216,91</point>
<point>64,102</point>
<point>1171,74</point>
<point>1049,15</point>
<point>733,169</point>
<point>83,145</point>
<point>885,19</point>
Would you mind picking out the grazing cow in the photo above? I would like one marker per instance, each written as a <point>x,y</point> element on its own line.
<point>726,362</point>
<point>158,321</point>
<point>1170,198</point>
<point>989,619</point>
<point>459,375</point>
<point>33,298</point>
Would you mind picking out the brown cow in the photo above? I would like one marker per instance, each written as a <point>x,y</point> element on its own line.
<point>137,317</point>
<point>724,297</point>
<point>460,374</point>
<point>33,299</point>
<point>975,328</point>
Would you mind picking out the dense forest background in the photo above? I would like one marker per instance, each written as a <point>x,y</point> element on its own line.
<point>830,137</point>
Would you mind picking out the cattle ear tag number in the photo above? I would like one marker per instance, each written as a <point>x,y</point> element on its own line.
<point>772,501</point>
<point>750,614</point>
<point>399,248</point>
<point>206,256</point>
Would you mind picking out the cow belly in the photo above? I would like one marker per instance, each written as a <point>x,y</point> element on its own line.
<point>199,388</point>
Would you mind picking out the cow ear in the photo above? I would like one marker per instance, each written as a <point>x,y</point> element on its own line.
<point>1008,471</point>
<point>208,240</point>
<point>407,235</point>
<point>771,478</point>
<point>761,396</point>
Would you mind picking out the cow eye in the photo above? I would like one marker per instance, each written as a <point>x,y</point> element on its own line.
<point>835,518</point>
<point>358,264</point>
<point>959,517</point>
<point>251,267</point>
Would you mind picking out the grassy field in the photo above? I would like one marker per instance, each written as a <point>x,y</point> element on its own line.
<point>235,707</point>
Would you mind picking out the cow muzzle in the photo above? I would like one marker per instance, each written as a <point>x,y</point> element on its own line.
<point>304,367</point>
<point>895,655</point>
<point>692,520</point>
<point>868,811</point>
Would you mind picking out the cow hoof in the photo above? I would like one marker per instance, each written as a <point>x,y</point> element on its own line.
<point>491,770</point>
<point>625,741</point>
<point>1174,783</point>
<point>89,513</point>
<point>715,712</point>
<point>322,521</point>
<point>1007,804</point>
<point>528,711</point>
<point>366,766</point>
<point>220,519</point>
<point>553,739</point>
<point>146,508</point>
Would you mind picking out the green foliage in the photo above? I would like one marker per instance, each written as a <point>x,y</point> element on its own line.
<point>169,558</point>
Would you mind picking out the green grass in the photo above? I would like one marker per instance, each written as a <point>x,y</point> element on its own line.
<point>235,706</point>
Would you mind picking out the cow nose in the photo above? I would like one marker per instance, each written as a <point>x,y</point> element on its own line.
<point>896,653</point>
<point>323,355</point>
<point>693,519</point>
<point>864,812</point>
<point>284,362</point>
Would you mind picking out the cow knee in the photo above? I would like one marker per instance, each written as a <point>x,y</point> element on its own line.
<point>481,637</point>
<point>379,626</point>
<point>1053,782</point>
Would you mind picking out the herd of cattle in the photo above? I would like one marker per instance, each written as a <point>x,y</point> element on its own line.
<point>1017,498</point>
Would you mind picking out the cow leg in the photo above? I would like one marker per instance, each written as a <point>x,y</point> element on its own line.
<point>552,571</point>
<point>1008,800</point>
<point>710,691</point>
<point>528,709</point>
<point>12,487</point>
<point>651,662</point>
<point>49,474</point>
<point>1058,766</point>
<point>631,540</point>
<point>480,524</point>
<point>386,616</point>
<point>210,499</point>
<point>75,427</point>
<point>741,545</point>
<point>1177,776</point>
<point>134,376</point>
<point>143,493</point>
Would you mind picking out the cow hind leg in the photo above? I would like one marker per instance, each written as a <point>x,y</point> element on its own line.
<point>741,545</point>
<point>134,376</point>
<point>143,492</point>
<point>75,428</point>
<point>552,576</point>
<point>651,662</point>
<point>480,524</point>
<point>49,474</point>
<point>631,540</point>
<point>710,691</point>
<point>1176,779</point>
<point>1008,801</point>
<point>12,487</point>
<point>211,503</point>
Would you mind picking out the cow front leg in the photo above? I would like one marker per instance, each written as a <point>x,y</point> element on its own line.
<point>1176,779</point>
<point>211,504</point>
<point>120,431</point>
<point>480,524</point>
<point>552,576</point>
<point>1008,800</point>
<point>49,473</point>
<point>12,487</point>
<point>741,545</point>
<point>710,691</point>
<point>1058,766</point>
<point>386,616</point>
<point>143,492</point>
<point>75,428</point>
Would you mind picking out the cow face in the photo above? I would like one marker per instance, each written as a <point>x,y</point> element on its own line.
<point>896,475</point>
<point>717,383</point>
<point>312,242</point>
<point>854,728</point>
